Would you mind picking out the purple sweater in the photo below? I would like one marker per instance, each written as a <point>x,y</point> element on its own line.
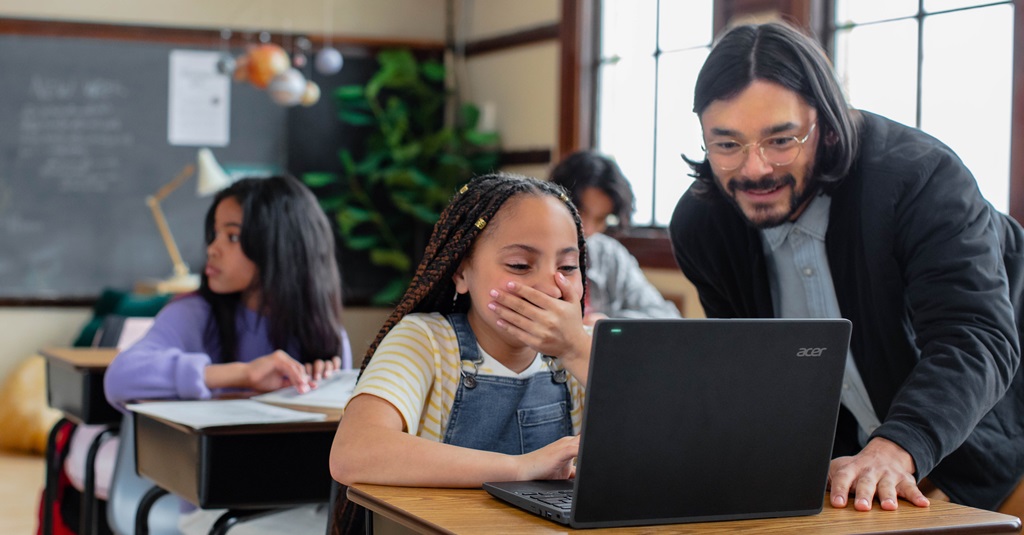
<point>169,361</point>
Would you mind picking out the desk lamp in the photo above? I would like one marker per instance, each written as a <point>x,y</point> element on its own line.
<point>211,179</point>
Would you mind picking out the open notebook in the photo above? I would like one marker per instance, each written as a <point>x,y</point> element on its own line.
<point>284,405</point>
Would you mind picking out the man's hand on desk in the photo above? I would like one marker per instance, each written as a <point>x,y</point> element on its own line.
<point>881,468</point>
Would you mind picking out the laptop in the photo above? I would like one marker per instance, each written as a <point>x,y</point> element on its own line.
<point>693,420</point>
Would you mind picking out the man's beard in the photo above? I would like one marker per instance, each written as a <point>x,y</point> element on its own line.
<point>796,200</point>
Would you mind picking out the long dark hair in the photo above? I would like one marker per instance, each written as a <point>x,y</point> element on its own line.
<point>432,288</point>
<point>588,169</point>
<point>779,53</point>
<point>287,236</point>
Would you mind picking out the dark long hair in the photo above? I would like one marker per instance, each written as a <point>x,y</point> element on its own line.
<point>588,169</point>
<point>287,236</point>
<point>432,288</point>
<point>778,53</point>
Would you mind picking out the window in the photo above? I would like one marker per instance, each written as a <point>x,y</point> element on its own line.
<point>944,66</point>
<point>650,53</point>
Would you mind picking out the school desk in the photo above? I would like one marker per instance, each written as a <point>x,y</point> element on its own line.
<point>74,385</point>
<point>473,511</point>
<point>239,467</point>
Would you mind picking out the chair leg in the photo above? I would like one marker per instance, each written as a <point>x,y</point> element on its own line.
<point>145,504</point>
<point>231,517</point>
<point>87,522</point>
<point>53,468</point>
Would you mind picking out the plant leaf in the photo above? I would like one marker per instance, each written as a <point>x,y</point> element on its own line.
<point>391,258</point>
<point>356,118</point>
<point>361,243</point>
<point>470,115</point>
<point>484,139</point>
<point>319,180</point>
<point>391,293</point>
<point>433,71</point>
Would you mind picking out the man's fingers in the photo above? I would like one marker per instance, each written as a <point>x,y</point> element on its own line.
<point>910,492</point>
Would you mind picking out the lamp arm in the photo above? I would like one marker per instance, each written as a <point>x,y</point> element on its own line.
<point>180,269</point>
<point>174,184</point>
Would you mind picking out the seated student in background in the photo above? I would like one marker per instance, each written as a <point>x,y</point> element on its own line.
<point>500,286</point>
<point>616,286</point>
<point>267,313</point>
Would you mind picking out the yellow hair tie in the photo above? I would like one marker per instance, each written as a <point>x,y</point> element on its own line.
<point>480,223</point>
<point>463,189</point>
<point>563,197</point>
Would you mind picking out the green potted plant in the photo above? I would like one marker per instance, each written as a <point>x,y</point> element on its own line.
<point>387,197</point>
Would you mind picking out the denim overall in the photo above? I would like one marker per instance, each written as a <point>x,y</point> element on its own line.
<point>505,414</point>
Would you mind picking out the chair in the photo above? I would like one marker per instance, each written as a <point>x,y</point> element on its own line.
<point>128,489</point>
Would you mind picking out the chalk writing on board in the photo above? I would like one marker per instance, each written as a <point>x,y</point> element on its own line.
<point>73,129</point>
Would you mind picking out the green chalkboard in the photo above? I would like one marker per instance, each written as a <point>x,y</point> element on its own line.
<point>83,141</point>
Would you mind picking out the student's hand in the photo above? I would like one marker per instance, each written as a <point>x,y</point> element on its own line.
<point>554,461</point>
<point>882,468</point>
<point>323,369</point>
<point>276,370</point>
<point>548,324</point>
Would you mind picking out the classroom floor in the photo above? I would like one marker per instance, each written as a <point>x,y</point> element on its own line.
<point>21,482</point>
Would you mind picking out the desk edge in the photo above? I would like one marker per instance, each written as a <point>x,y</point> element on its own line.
<point>394,513</point>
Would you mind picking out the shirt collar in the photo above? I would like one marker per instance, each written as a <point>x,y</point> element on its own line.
<point>813,222</point>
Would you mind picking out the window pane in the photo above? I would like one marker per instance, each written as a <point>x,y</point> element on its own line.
<point>684,24</point>
<point>625,129</point>
<point>678,129</point>
<point>859,11</point>
<point>931,6</point>
<point>628,27</point>
<point>887,87</point>
<point>966,102</point>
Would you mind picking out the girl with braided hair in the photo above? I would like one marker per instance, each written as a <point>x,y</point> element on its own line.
<point>479,373</point>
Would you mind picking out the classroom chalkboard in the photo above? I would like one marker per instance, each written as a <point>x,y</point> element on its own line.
<point>83,141</point>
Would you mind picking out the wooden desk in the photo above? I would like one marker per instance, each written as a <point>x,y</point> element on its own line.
<point>237,467</point>
<point>74,385</point>
<point>473,511</point>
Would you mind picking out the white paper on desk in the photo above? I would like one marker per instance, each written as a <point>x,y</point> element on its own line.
<point>332,393</point>
<point>221,412</point>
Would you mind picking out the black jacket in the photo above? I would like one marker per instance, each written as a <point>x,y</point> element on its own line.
<point>930,275</point>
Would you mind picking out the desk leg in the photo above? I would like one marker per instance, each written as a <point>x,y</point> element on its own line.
<point>87,522</point>
<point>369,521</point>
<point>231,517</point>
<point>145,504</point>
<point>54,464</point>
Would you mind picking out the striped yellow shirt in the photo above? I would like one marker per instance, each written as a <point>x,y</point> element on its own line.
<point>416,369</point>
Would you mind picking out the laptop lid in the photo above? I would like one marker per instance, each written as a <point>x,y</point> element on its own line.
<point>695,420</point>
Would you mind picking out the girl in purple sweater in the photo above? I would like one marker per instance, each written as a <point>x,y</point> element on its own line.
<point>267,313</point>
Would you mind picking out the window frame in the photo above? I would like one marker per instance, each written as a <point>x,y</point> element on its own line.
<point>580,55</point>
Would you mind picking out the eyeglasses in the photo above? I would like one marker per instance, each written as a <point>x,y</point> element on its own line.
<point>729,155</point>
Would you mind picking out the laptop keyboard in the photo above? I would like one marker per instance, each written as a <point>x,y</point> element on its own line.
<point>560,499</point>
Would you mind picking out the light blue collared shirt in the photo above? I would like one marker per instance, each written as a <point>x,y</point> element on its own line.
<point>802,287</point>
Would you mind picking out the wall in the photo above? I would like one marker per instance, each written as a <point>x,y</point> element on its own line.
<point>419,20</point>
<point>520,84</point>
<point>24,330</point>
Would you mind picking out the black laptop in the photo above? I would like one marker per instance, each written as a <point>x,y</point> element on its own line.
<point>692,420</point>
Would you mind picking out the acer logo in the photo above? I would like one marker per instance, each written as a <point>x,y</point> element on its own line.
<point>811,351</point>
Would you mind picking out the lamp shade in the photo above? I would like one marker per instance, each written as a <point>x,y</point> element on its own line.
<point>211,177</point>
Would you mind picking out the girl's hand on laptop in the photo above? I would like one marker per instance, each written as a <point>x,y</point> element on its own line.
<point>554,461</point>
<point>882,468</point>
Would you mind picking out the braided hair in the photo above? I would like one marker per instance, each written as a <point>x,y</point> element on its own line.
<point>462,221</point>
